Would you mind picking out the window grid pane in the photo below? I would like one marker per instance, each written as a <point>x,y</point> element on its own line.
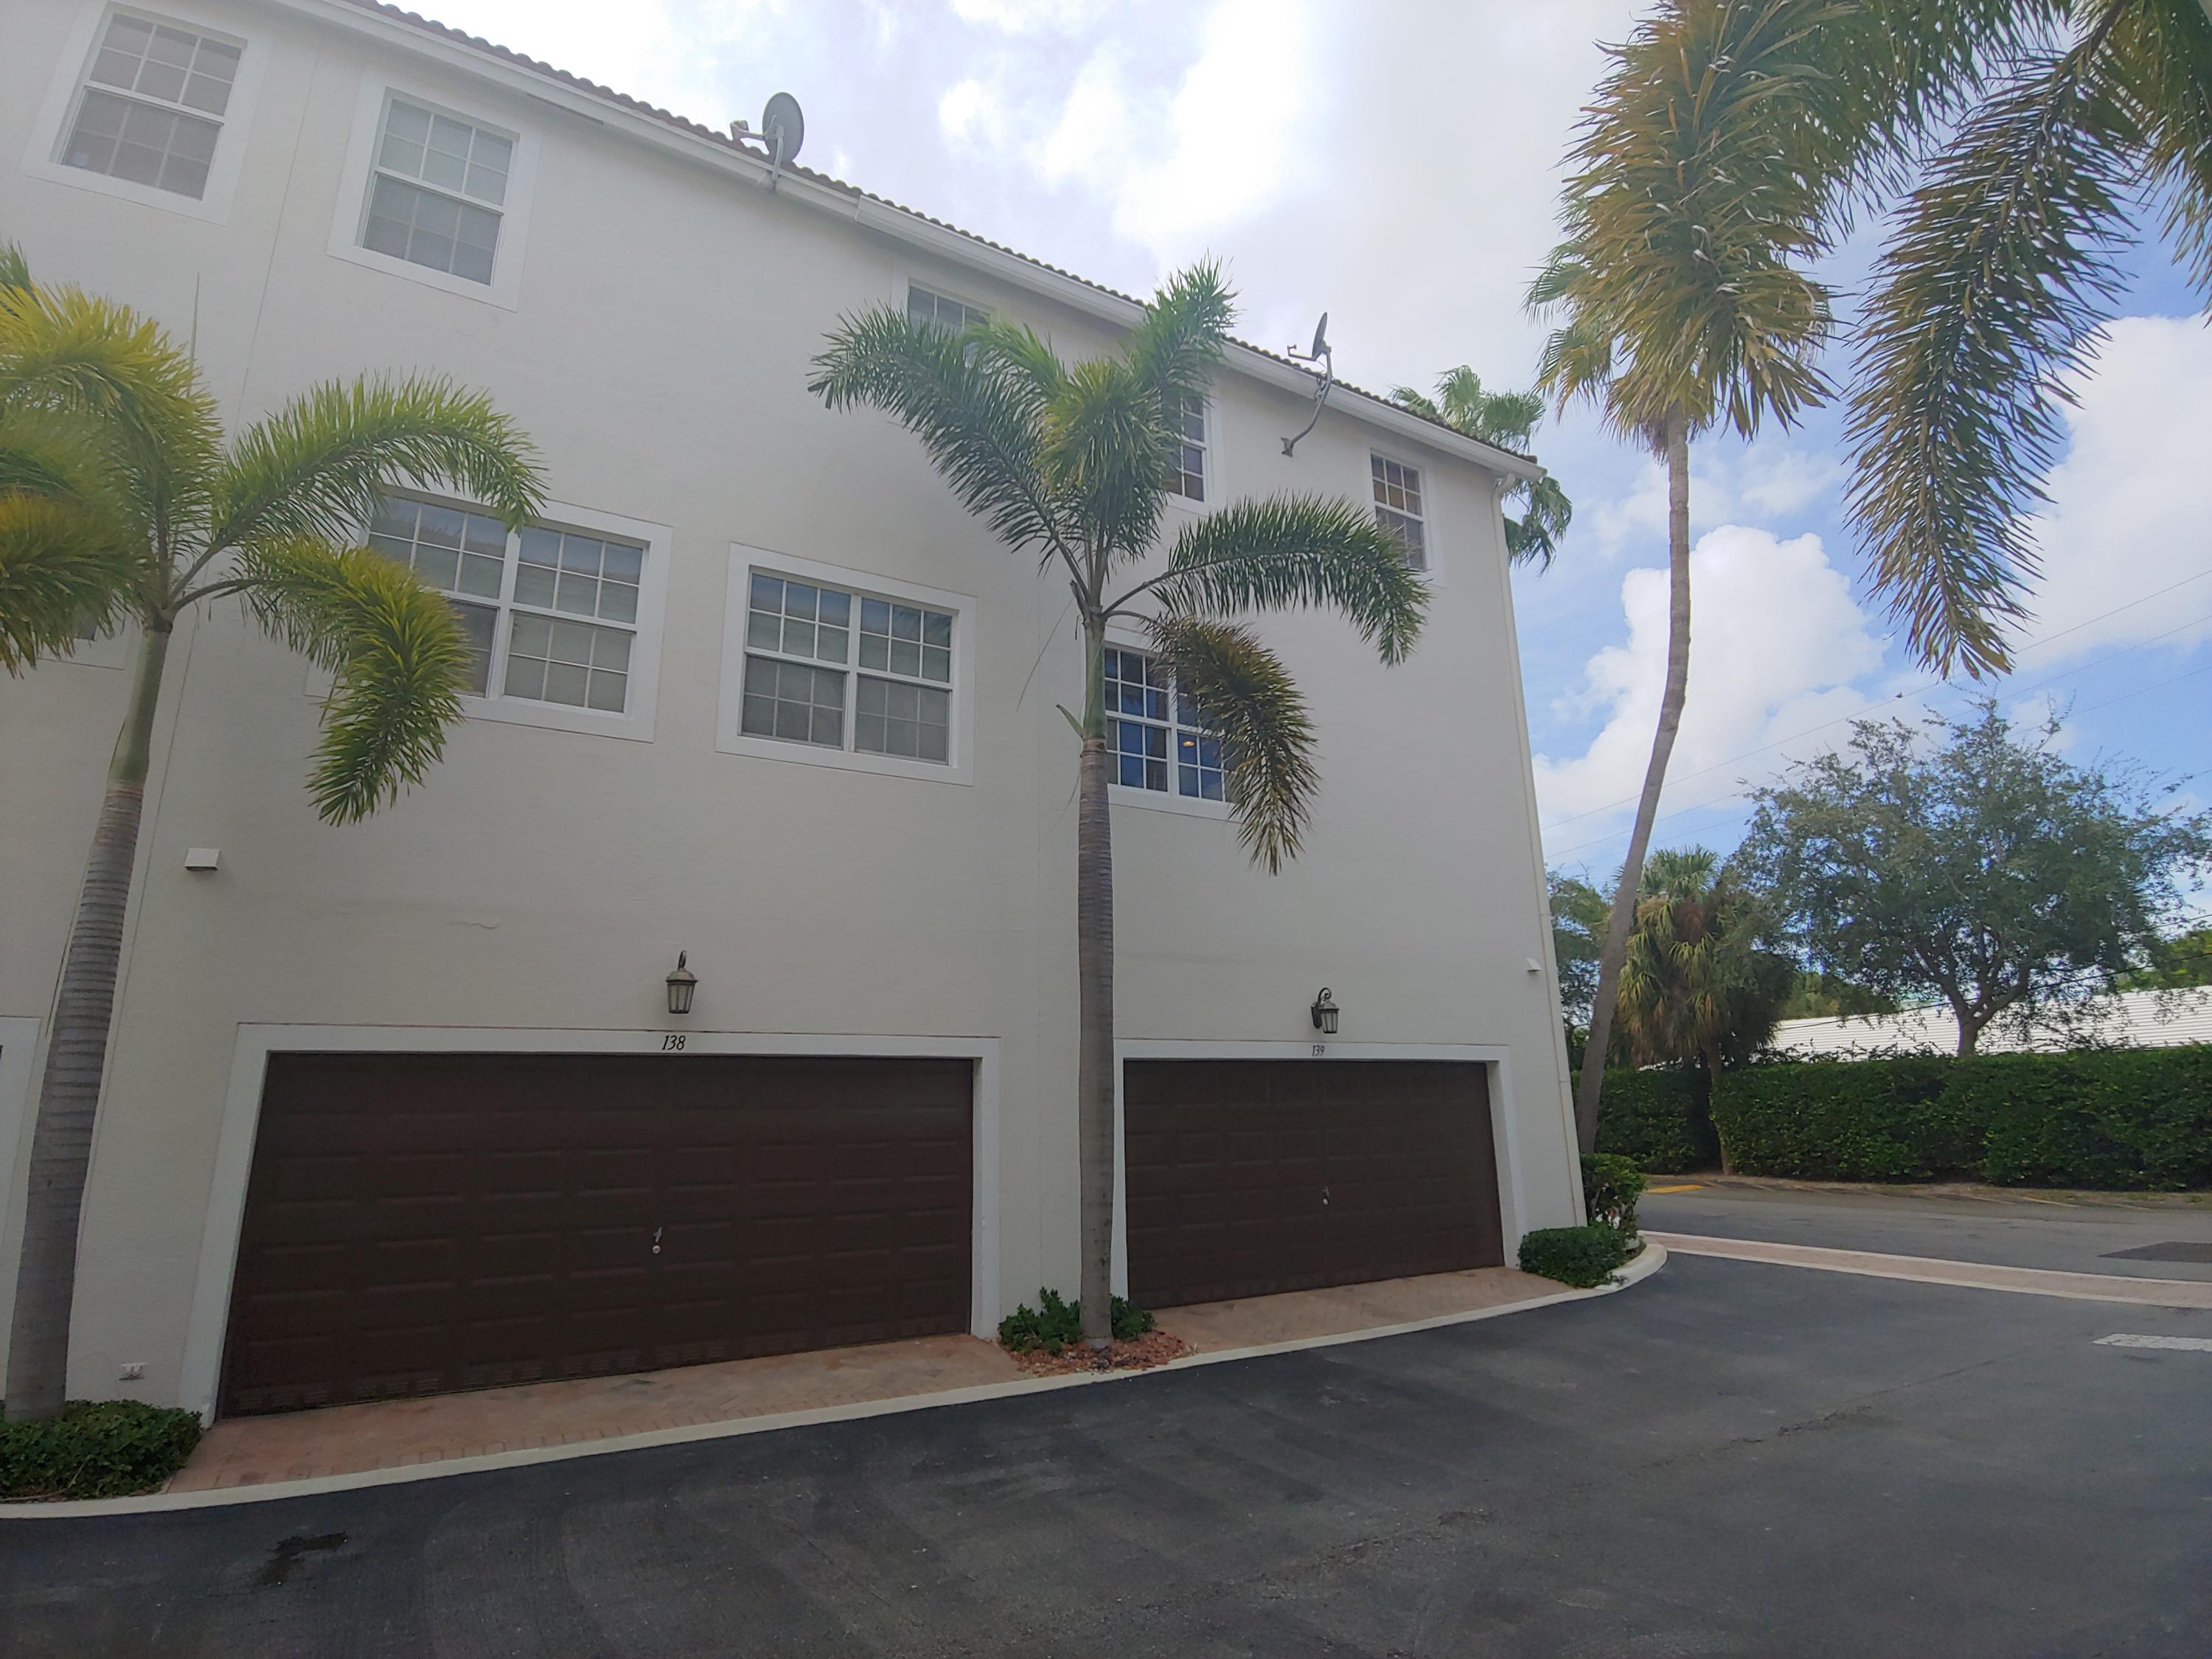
<point>138,143</point>
<point>1187,451</point>
<point>446,154</point>
<point>427,228</point>
<point>1140,731</point>
<point>1398,507</point>
<point>924,307</point>
<point>166,65</point>
<point>792,625</point>
<point>793,701</point>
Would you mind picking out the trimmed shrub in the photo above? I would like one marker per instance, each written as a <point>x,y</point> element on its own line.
<point>1868,1120</point>
<point>95,1448</point>
<point>1611,1187</point>
<point>1055,1322</point>
<point>2116,1118</point>
<point>1585,1257</point>
<point>1657,1120</point>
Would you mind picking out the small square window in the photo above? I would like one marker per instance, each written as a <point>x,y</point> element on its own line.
<point>438,192</point>
<point>1163,753</point>
<point>1188,450</point>
<point>924,307</point>
<point>150,111</point>
<point>1398,507</point>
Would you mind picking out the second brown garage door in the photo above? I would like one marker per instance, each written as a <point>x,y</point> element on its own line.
<point>1247,1177</point>
<point>418,1223</point>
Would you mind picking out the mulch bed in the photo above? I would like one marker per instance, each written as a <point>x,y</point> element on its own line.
<point>1154,1348</point>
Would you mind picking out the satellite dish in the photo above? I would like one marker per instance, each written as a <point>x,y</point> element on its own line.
<point>1322,354</point>
<point>784,127</point>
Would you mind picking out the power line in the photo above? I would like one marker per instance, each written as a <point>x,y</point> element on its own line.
<point>1928,690</point>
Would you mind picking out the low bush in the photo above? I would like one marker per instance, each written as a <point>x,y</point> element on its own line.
<point>1585,1257</point>
<point>95,1448</point>
<point>1611,1187</point>
<point>2117,1118</point>
<point>1657,1120</point>
<point>1054,1322</point>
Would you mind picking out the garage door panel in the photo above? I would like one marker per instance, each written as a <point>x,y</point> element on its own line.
<point>418,1223</point>
<point>1249,1177</point>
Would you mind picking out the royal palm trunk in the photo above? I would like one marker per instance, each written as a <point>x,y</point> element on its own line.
<point>76,1055</point>
<point>1094,957</point>
<point>1675,436</point>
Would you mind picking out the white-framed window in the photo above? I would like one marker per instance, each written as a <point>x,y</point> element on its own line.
<point>435,194</point>
<point>1399,507</point>
<point>845,669</point>
<point>1160,746</point>
<point>1189,450</point>
<point>563,618</point>
<point>148,105</point>
<point>925,305</point>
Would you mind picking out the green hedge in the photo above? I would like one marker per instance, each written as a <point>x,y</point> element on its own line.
<point>1657,1119</point>
<point>95,1448</point>
<point>1585,1257</point>
<point>2120,1118</point>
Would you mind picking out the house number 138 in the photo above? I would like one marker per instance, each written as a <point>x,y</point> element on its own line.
<point>671,1041</point>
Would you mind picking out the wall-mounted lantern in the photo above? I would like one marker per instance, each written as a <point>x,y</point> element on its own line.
<point>681,984</point>
<point>1324,1012</point>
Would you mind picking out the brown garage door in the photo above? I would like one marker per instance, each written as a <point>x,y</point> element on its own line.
<point>418,1224</point>
<point>1247,1177</point>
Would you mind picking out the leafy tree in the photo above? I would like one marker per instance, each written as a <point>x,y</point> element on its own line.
<point>121,504</point>
<point>1507,420</point>
<point>1982,869</point>
<point>2174,964</point>
<point>1698,189</point>
<point>1698,986</point>
<point>1068,462</point>
<point>1579,917</point>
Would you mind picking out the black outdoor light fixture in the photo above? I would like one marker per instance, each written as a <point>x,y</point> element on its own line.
<point>681,984</point>
<point>1324,1012</point>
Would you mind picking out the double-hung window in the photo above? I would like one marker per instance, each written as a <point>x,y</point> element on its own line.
<point>1187,449</point>
<point>437,191</point>
<point>1160,742</point>
<point>1398,507</point>
<point>552,614</point>
<point>925,307</point>
<point>152,104</point>
<point>836,668</point>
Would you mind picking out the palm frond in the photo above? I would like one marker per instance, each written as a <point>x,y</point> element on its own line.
<point>975,413</point>
<point>62,574</point>
<point>2160,54</point>
<point>1177,347</point>
<point>395,653</point>
<point>1292,552</point>
<point>1418,402</point>
<point>15,269</point>
<point>1245,697</point>
<point>316,467</point>
<point>1534,537</point>
<point>1104,456</point>
<point>1988,298</point>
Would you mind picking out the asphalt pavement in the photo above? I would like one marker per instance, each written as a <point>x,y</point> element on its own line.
<point>2072,1233</point>
<point>1731,1458</point>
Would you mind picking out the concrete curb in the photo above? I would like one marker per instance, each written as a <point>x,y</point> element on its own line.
<point>1652,1258</point>
<point>1970,1275</point>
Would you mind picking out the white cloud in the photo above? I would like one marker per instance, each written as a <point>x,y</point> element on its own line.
<point>2127,514</point>
<point>966,105</point>
<point>1028,17</point>
<point>1776,646</point>
<point>1095,119</point>
<point>1770,481</point>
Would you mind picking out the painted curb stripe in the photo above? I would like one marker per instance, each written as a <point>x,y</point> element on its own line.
<point>1934,1270</point>
<point>1653,1257</point>
<point>2187,1344</point>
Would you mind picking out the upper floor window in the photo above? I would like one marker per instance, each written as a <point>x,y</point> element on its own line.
<point>438,190</point>
<point>553,614</point>
<point>1398,507</point>
<point>924,307</point>
<point>1159,743</point>
<point>848,670</point>
<point>1186,450</point>
<point>152,104</point>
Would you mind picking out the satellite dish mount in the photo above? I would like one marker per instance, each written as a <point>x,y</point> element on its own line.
<point>783,128</point>
<point>1320,354</point>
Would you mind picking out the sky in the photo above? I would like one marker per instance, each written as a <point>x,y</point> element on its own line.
<point>1397,164</point>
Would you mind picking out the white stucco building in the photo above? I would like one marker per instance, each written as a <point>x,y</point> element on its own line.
<point>401,1108</point>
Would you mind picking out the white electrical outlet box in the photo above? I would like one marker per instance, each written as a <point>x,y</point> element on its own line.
<point>201,858</point>
<point>132,1370</point>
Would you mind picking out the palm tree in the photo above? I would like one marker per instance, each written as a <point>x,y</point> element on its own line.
<point>1701,173</point>
<point>1696,985</point>
<point>1069,462</point>
<point>2053,127</point>
<point>121,503</point>
<point>1504,420</point>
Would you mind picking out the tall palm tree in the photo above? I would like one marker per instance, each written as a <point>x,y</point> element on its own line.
<point>121,504</point>
<point>1696,985</point>
<point>1506,420</point>
<point>2056,129</point>
<point>1070,462</point>
<point>1699,189</point>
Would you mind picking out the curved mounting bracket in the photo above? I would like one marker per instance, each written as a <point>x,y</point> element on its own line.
<point>1326,359</point>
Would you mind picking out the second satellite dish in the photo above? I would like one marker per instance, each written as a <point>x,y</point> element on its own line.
<point>783,127</point>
